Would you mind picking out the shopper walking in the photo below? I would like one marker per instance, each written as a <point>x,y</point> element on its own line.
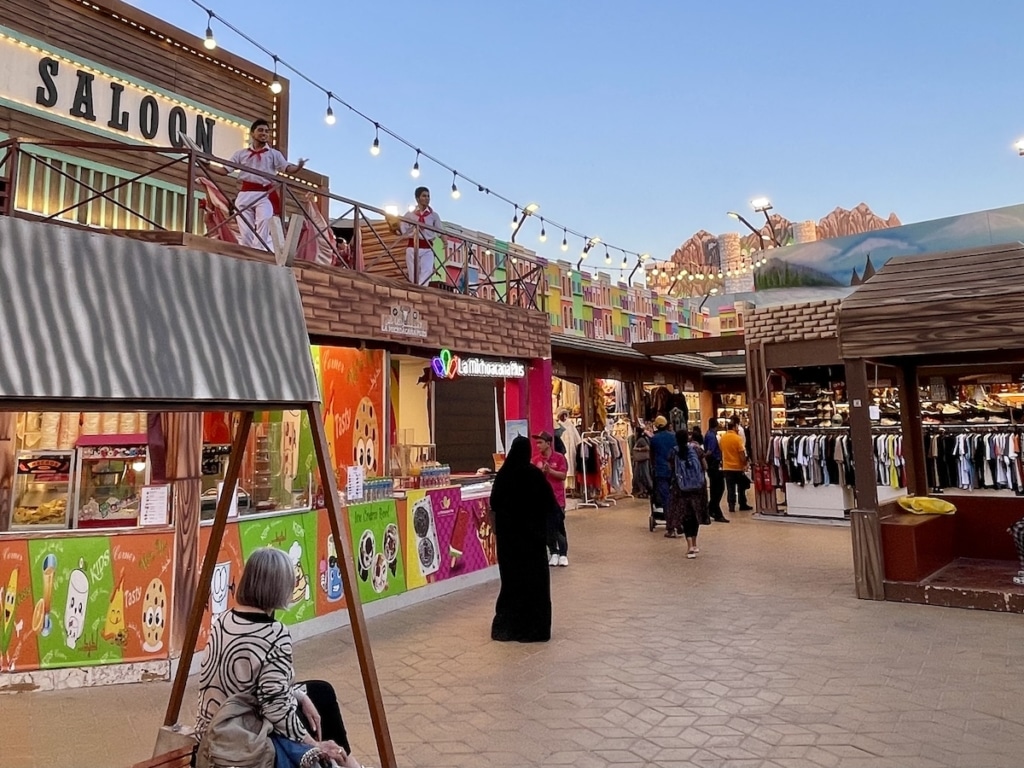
<point>643,480</point>
<point>662,444</point>
<point>734,464</point>
<point>716,480</point>
<point>688,493</point>
<point>555,468</point>
<point>520,501</point>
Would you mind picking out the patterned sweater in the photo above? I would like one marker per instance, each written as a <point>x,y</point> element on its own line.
<point>252,653</point>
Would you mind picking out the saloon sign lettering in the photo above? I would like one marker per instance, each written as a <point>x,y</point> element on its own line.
<point>59,86</point>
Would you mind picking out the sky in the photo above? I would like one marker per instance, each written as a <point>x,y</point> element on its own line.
<point>643,122</point>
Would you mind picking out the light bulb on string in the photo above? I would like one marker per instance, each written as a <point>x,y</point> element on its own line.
<point>607,256</point>
<point>625,261</point>
<point>515,217</point>
<point>565,240</point>
<point>329,117</point>
<point>543,234</point>
<point>209,43</point>
<point>415,172</point>
<point>455,187</point>
<point>375,147</point>
<point>275,84</point>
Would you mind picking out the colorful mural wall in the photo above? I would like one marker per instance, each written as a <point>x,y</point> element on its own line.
<point>83,600</point>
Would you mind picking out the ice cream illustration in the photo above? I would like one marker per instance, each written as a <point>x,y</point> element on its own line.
<point>219,587</point>
<point>74,608</point>
<point>301,590</point>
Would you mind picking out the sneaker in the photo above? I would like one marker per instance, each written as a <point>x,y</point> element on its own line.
<point>563,560</point>
<point>692,554</point>
<point>553,560</point>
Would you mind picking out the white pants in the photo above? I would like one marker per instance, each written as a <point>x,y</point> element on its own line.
<point>256,213</point>
<point>419,262</point>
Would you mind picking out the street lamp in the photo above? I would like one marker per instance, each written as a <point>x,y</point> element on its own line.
<point>529,210</point>
<point>763,205</point>
<point>1019,146</point>
<point>734,215</point>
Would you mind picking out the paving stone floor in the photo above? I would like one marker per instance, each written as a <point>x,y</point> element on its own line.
<point>754,655</point>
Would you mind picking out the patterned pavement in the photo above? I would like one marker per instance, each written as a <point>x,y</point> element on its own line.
<point>754,655</point>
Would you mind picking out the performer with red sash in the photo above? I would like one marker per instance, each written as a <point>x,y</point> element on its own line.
<point>421,225</point>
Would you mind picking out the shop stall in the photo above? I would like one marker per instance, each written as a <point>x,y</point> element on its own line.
<point>90,600</point>
<point>960,369</point>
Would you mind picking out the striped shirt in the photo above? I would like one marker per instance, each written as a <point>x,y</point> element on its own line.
<point>249,653</point>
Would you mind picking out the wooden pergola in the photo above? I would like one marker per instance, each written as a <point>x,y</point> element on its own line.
<point>929,315</point>
<point>92,322</point>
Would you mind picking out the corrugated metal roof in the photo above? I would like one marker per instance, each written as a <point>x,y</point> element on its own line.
<point>732,370</point>
<point>94,317</point>
<point>626,352</point>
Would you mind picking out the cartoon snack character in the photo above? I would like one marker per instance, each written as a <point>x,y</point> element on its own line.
<point>9,598</point>
<point>74,608</point>
<point>301,590</point>
<point>113,627</point>
<point>154,611</point>
<point>220,585</point>
<point>330,573</point>
<point>365,437</point>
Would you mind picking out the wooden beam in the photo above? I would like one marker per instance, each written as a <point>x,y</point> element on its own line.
<point>195,618</point>
<point>913,430</point>
<point>802,354</point>
<point>864,524</point>
<point>343,540</point>
<point>692,346</point>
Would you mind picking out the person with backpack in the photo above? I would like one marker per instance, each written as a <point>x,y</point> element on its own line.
<point>687,498</point>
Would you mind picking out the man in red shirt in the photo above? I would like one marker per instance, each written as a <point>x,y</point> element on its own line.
<point>555,468</point>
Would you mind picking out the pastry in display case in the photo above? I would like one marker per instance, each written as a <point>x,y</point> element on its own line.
<point>42,487</point>
<point>109,482</point>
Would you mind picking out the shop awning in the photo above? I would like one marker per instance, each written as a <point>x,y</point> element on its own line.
<point>940,304</point>
<point>603,348</point>
<point>88,318</point>
<point>728,371</point>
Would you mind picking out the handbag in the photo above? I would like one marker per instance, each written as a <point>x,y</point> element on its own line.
<point>294,754</point>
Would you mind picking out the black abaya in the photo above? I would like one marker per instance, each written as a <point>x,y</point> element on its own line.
<point>521,499</point>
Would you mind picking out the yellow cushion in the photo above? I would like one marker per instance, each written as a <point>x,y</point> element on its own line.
<point>926,505</point>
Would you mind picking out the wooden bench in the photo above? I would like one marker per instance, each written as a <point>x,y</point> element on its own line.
<point>178,758</point>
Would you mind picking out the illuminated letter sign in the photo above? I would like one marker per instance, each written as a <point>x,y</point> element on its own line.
<point>449,366</point>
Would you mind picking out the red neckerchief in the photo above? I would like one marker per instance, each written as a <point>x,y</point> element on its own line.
<point>257,152</point>
<point>422,215</point>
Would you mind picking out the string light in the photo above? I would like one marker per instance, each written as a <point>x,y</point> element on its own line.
<point>515,217</point>
<point>275,84</point>
<point>625,261</point>
<point>329,117</point>
<point>209,43</point>
<point>543,234</point>
<point>607,256</point>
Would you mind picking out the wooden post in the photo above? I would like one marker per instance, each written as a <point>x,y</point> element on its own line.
<point>343,540</point>
<point>759,400</point>
<point>220,519</point>
<point>183,439</point>
<point>913,430</point>
<point>864,524</point>
<point>8,421</point>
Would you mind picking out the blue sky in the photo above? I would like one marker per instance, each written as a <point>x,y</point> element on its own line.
<point>645,121</point>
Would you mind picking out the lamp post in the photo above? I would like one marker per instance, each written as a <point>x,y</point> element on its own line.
<point>529,210</point>
<point>748,225</point>
<point>763,205</point>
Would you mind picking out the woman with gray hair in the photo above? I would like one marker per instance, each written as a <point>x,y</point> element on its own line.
<point>250,652</point>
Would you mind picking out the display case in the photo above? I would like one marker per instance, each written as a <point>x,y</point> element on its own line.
<point>109,481</point>
<point>42,490</point>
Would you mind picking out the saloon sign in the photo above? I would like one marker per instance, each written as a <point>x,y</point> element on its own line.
<point>65,87</point>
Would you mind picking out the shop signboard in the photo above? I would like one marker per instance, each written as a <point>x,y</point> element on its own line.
<point>458,533</point>
<point>85,600</point>
<point>68,88</point>
<point>404,320</point>
<point>377,548</point>
<point>447,365</point>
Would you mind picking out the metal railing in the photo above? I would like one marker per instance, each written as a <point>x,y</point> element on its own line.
<point>127,188</point>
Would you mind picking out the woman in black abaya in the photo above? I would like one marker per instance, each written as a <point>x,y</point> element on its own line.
<point>521,501</point>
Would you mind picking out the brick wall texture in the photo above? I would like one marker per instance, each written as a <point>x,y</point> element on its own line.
<point>347,305</point>
<point>793,322</point>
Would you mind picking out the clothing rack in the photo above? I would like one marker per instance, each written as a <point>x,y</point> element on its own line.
<point>586,446</point>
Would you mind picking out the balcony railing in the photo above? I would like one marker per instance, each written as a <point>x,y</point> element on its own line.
<point>161,193</point>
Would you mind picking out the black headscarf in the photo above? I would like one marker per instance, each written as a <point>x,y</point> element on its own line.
<point>521,489</point>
